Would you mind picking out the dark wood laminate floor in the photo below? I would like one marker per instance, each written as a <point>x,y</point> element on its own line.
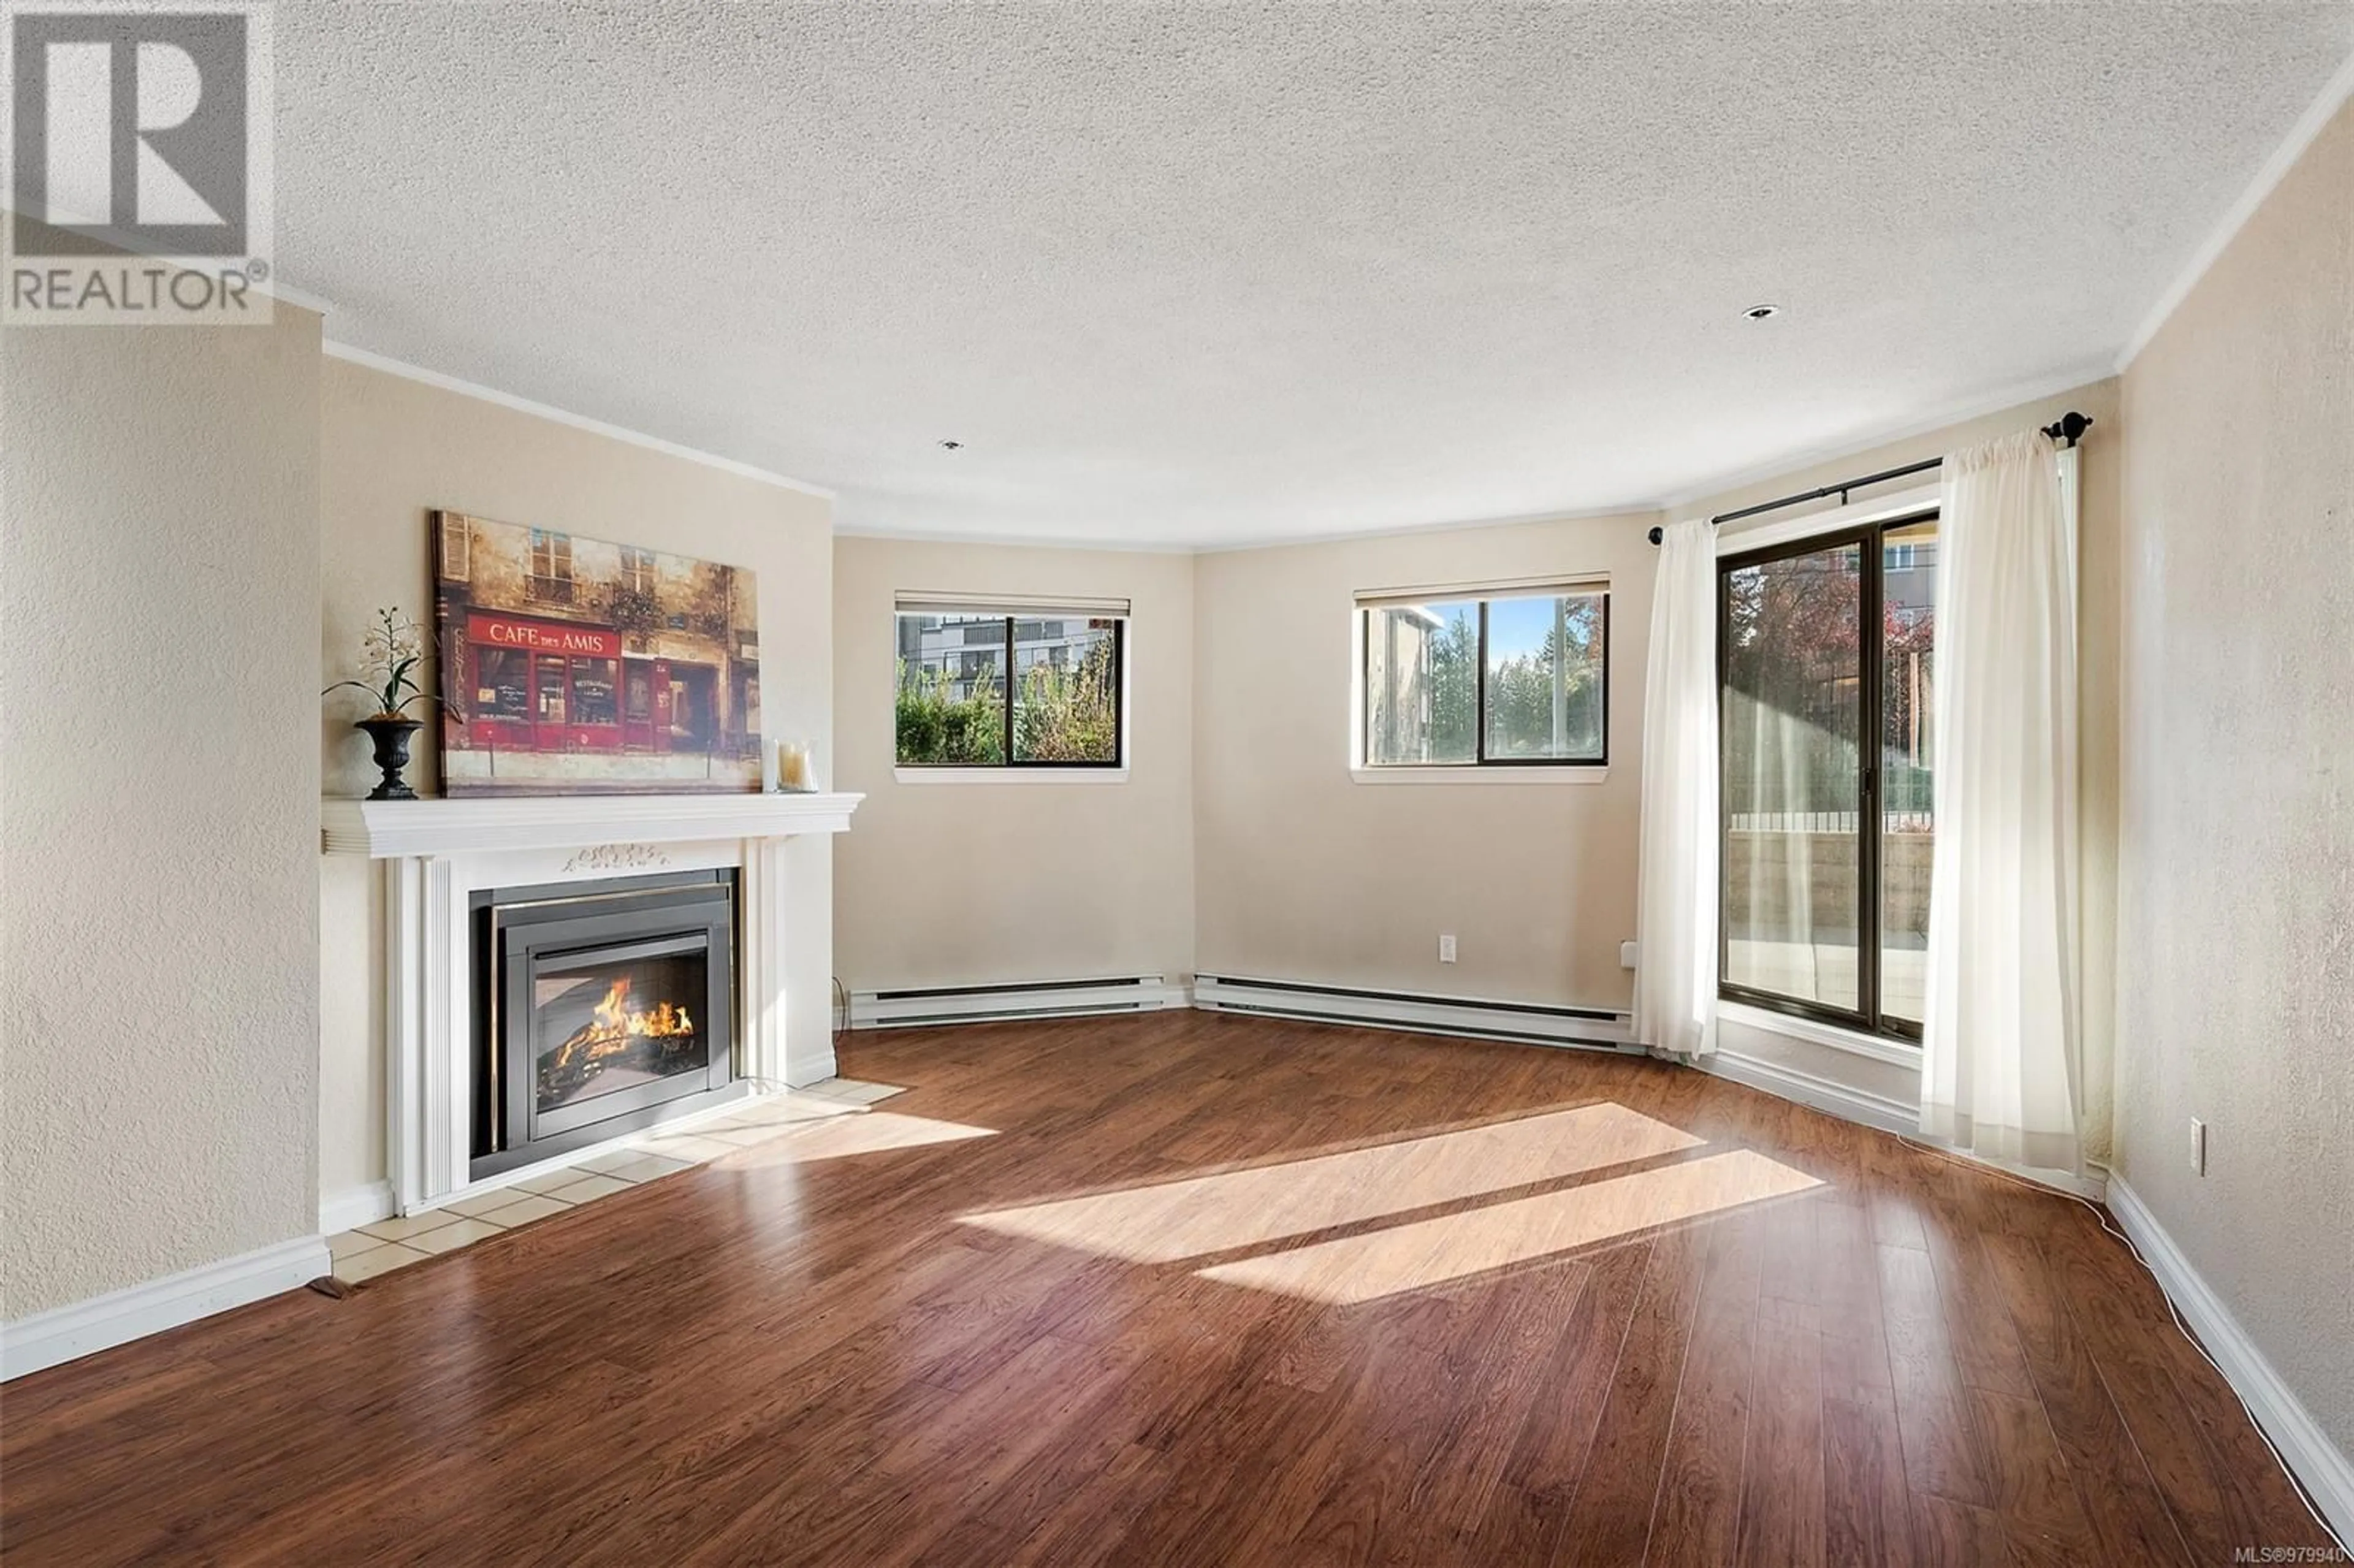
<point>1685,1323</point>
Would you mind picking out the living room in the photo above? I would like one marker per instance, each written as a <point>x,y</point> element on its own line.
<point>856,784</point>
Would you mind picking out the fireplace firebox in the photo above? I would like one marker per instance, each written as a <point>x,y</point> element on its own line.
<point>599,1008</point>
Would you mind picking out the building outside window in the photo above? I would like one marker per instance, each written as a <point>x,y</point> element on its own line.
<point>980,689</point>
<point>1501,679</point>
<point>1827,653</point>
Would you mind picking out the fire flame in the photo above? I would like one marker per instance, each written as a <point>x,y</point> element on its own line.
<point>614,1016</point>
<point>612,1026</point>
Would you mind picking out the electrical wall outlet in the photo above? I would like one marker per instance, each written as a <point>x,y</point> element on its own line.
<point>2198,1147</point>
<point>1447,948</point>
<point>1626,955</point>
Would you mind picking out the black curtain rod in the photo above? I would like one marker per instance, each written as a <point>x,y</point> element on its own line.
<point>2067,430</point>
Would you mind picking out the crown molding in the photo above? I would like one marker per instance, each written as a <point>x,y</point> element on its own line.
<point>2316,118</point>
<point>318,304</point>
<point>1956,413</point>
<point>1010,541</point>
<point>1641,513</point>
<point>390,366</point>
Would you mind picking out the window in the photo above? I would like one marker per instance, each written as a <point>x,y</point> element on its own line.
<point>638,571</point>
<point>1034,690</point>
<point>503,683</point>
<point>1828,649</point>
<point>1500,680</point>
<point>592,690</point>
<point>551,567</point>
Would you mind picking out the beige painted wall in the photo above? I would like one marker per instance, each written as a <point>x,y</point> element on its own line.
<point>2099,561</point>
<point>952,883</point>
<point>1536,880</point>
<point>393,450</point>
<point>2236,963</point>
<point>159,585</point>
<point>1303,874</point>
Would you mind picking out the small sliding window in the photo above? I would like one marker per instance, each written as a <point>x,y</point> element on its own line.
<point>1510,677</point>
<point>1032,685</point>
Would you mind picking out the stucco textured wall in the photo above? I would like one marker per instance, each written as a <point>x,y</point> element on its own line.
<point>2236,928</point>
<point>159,583</point>
<point>393,450</point>
<point>970,883</point>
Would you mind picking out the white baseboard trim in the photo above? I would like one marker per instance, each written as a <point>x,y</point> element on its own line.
<point>46,1339</point>
<point>2092,1186</point>
<point>2325,1472</point>
<point>1899,1117</point>
<point>924,1006</point>
<point>1841,1100</point>
<point>354,1207</point>
<point>1414,1013</point>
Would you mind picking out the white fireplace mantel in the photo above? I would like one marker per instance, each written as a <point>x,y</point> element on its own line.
<point>438,852</point>
<point>383,829</point>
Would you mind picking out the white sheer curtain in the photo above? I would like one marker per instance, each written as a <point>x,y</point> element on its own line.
<point>1676,913</point>
<point>1775,868</point>
<point>1998,1038</point>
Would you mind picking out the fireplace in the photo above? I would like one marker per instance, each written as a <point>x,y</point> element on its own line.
<point>600,1008</point>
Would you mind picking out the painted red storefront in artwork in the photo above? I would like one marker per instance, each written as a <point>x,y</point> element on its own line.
<point>557,685</point>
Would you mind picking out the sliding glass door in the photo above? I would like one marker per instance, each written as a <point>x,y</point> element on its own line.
<point>1825,647</point>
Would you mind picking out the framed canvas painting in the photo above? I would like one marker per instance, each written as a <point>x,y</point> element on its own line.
<point>571,666</point>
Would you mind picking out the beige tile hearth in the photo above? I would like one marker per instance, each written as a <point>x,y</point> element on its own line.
<point>851,1092</point>
<point>451,1237</point>
<point>482,1206</point>
<point>522,1209</point>
<point>403,1227</point>
<point>358,1267</point>
<point>746,1136</point>
<point>350,1243</point>
<point>633,1166</point>
<point>587,1185</point>
<point>385,1246</point>
<point>546,1181</point>
<point>795,1106</point>
<point>689,1149</point>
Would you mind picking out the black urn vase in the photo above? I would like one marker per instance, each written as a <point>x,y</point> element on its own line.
<point>390,738</point>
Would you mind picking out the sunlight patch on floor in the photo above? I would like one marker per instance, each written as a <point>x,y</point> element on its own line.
<point>871,1132</point>
<point>1201,1215</point>
<point>1432,1252</point>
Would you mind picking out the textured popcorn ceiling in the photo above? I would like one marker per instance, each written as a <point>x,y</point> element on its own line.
<point>1204,275</point>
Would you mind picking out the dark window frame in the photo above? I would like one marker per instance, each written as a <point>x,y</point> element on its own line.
<point>1480,758</point>
<point>1009,679</point>
<point>1868,1016</point>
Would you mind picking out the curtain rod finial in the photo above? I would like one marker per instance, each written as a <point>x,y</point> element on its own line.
<point>1656,533</point>
<point>2070,428</point>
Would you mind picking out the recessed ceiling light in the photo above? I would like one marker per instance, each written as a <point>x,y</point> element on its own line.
<point>1762,312</point>
<point>950,446</point>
